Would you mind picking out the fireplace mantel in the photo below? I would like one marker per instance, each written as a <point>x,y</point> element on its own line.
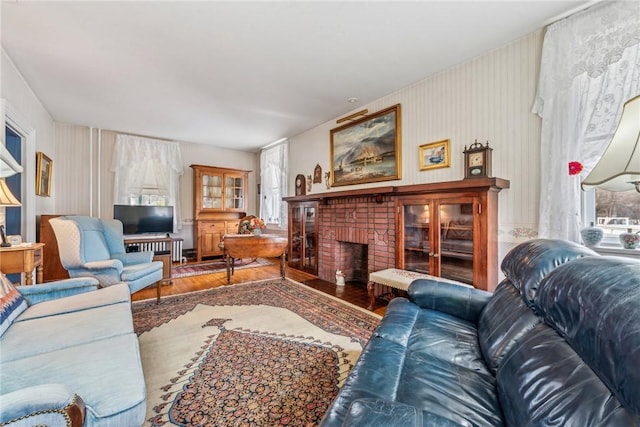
<point>473,184</point>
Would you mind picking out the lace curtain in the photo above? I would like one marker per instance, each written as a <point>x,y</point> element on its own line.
<point>590,67</point>
<point>273,183</point>
<point>138,160</point>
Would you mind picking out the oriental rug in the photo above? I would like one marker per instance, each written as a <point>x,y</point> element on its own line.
<point>268,353</point>
<point>217,266</point>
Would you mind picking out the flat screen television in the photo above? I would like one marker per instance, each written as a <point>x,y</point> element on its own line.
<point>144,219</point>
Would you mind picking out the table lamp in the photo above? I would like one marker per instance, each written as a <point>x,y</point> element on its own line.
<point>6,199</point>
<point>619,167</point>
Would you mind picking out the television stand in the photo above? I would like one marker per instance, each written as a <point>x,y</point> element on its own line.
<point>162,248</point>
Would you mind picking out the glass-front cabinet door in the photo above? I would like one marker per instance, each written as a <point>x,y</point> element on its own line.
<point>456,252</point>
<point>416,253</point>
<point>438,237</point>
<point>310,261</point>
<point>303,231</point>
<point>211,191</point>
<point>234,186</point>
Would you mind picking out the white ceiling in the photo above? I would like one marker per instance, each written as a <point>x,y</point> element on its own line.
<point>243,74</point>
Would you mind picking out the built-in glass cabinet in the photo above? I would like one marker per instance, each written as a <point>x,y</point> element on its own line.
<point>303,232</point>
<point>438,237</point>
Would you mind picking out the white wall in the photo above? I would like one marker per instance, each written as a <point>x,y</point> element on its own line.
<point>85,180</point>
<point>23,104</point>
<point>488,98</point>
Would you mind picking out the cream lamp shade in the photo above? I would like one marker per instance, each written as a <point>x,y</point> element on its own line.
<point>6,196</point>
<point>8,165</point>
<point>619,167</point>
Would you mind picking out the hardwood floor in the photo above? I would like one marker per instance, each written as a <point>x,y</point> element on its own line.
<point>355,293</point>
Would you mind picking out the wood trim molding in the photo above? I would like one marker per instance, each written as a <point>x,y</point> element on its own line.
<point>495,184</point>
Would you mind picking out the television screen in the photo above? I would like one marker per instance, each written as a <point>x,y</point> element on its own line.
<point>144,219</point>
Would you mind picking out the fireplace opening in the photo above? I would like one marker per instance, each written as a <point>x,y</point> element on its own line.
<point>353,260</point>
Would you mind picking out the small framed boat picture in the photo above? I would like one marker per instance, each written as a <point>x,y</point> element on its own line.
<point>434,155</point>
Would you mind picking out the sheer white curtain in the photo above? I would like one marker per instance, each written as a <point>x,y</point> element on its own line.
<point>273,183</point>
<point>135,159</point>
<point>590,68</point>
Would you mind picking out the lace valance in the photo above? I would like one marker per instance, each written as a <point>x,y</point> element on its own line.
<point>586,43</point>
<point>133,150</point>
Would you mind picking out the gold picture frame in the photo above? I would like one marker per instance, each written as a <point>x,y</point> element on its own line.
<point>44,166</point>
<point>434,155</point>
<point>368,149</point>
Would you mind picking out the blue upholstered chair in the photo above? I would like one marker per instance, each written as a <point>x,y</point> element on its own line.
<point>94,247</point>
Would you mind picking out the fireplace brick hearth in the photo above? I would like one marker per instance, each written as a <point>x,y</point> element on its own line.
<point>365,220</point>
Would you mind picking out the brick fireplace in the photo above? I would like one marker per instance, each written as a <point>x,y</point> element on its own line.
<point>356,229</point>
<point>356,235</point>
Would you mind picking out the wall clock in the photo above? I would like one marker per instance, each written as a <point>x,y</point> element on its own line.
<point>301,185</point>
<point>477,160</point>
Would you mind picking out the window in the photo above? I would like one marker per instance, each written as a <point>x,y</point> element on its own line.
<point>615,212</point>
<point>274,172</point>
<point>147,172</point>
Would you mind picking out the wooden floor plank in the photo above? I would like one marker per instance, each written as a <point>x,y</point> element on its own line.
<point>355,293</point>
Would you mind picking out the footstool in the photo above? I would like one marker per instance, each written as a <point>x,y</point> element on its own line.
<point>393,278</point>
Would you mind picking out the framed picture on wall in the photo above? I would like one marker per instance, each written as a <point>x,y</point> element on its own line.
<point>368,149</point>
<point>44,165</point>
<point>434,155</point>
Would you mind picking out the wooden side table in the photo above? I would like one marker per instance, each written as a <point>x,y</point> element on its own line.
<point>23,259</point>
<point>254,246</point>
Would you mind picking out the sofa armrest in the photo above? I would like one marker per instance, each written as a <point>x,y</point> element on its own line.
<point>461,300</point>
<point>106,264</point>
<point>58,289</point>
<point>129,258</point>
<point>383,413</point>
<point>46,404</point>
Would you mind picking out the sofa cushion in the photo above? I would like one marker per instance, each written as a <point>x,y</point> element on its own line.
<point>12,303</point>
<point>593,304</point>
<point>529,262</point>
<point>66,330</point>
<point>427,359</point>
<point>98,298</point>
<point>444,371</point>
<point>504,320</point>
<point>543,382</point>
<point>106,374</point>
<point>131,273</point>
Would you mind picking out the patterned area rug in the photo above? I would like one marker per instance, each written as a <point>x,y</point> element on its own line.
<point>269,353</point>
<point>217,266</point>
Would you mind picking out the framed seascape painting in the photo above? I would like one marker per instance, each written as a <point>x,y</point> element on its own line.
<point>44,165</point>
<point>367,150</point>
<point>434,155</point>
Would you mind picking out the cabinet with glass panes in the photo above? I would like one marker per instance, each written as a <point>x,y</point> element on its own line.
<point>220,197</point>
<point>450,235</point>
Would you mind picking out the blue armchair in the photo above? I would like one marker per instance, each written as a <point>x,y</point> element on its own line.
<point>94,247</point>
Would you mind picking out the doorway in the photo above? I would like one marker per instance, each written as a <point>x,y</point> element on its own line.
<point>13,215</point>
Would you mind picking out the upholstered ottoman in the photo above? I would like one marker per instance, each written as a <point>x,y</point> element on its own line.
<point>380,281</point>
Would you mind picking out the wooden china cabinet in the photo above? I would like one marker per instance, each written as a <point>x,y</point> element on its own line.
<point>220,200</point>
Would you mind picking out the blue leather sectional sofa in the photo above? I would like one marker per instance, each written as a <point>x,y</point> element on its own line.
<point>557,344</point>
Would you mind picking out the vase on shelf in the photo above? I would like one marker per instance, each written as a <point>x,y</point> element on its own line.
<point>257,231</point>
<point>629,240</point>
<point>591,236</point>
